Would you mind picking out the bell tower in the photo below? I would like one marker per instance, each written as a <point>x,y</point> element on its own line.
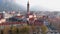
<point>28,6</point>
<point>28,11</point>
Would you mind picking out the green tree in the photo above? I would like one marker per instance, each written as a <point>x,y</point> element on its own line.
<point>14,29</point>
<point>44,29</point>
<point>24,30</point>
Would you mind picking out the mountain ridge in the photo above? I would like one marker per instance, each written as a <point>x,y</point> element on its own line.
<point>8,6</point>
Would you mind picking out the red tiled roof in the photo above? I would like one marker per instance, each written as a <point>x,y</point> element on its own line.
<point>10,23</point>
<point>19,16</point>
<point>38,23</point>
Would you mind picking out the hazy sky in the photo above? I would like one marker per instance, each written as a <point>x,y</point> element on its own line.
<point>52,5</point>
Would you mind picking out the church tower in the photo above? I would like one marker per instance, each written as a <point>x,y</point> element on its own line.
<point>28,11</point>
<point>28,7</point>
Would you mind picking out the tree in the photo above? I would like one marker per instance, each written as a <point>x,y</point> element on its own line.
<point>6,29</point>
<point>33,28</point>
<point>44,29</point>
<point>24,29</point>
<point>14,30</point>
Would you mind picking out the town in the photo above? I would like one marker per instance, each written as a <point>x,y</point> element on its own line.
<point>29,22</point>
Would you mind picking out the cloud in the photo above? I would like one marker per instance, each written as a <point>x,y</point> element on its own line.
<point>51,5</point>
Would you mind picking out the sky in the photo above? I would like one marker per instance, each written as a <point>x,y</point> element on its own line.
<point>51,5</point>
<point>43,5</point>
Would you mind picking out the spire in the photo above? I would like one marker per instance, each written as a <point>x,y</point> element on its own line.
<point>28,6</point>
<point>28,1</point>
<point>28,12</point>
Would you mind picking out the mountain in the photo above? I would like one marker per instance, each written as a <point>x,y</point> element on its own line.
<point>9,6</point>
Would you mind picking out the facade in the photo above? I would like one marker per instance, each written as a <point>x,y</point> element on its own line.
<point>1,16</point>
